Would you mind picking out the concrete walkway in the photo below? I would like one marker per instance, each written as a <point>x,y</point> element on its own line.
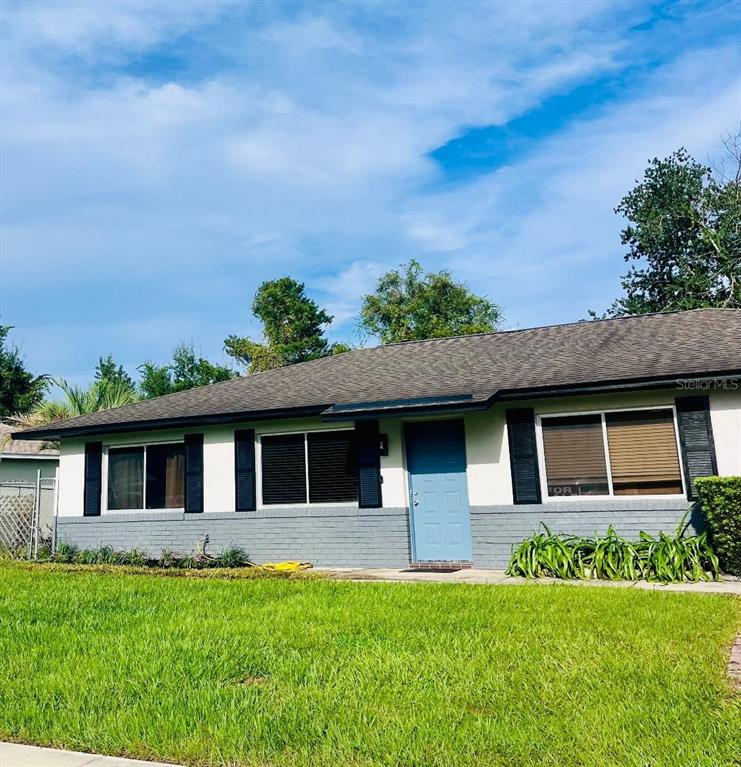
<point>499,577</point>
<point>16,755</point>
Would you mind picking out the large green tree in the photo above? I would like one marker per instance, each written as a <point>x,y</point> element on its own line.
<point>409,305</point>
<point>683,237</point>
<point>186,371</point>
<point>20,390</point>
<point>108,370</point>
<point>293,328</point>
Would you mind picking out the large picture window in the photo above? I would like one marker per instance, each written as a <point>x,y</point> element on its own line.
<point>151,477</point>
<point>614,453</point>
<point>315,467</point>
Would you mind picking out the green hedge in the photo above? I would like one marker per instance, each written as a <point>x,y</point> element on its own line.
<point>720,500</point>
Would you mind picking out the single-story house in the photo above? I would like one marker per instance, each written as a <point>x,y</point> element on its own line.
<point>448,450</point>
<point>20,461</point>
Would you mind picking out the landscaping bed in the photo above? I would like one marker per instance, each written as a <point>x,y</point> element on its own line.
<point>303,671</point>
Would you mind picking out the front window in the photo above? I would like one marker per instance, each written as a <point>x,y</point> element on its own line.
<point>575,456</point>
<point>318,467</point>
<point>151,477</point>
<point>616,453</point>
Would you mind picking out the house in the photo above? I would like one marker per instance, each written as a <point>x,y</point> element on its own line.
<point>20,461</point>
<point>448,450</point>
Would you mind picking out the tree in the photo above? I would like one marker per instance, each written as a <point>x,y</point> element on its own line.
<point>684,232</point>
<point>186,371</point>
<point>292,328</point>
<point>108,370</point>
<point>100,395</point>
<point>20,390</point>
<point>409,306</point>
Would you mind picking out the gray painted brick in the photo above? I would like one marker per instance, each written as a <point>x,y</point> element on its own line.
<point>352,537</point>
<point>496,529</point>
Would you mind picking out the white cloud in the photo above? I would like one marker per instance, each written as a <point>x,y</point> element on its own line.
<point>297,142</point>
<point>87,27</point>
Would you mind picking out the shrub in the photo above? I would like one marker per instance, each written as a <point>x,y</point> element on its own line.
<point>168,559</point>
<point>720,500</point>
<point>134,558</point>
<point>231,557</point>
<point>610,557</point>
<point>66,552</point>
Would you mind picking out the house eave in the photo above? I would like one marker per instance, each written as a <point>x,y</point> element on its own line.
<point>182,422</point>
<point>688,382</point>
<point>27,457</point>
<point>327,412</point>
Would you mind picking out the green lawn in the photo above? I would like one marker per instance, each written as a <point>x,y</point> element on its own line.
<point>276,672</point>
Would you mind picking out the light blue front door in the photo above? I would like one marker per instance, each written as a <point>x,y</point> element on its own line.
<point>436,458</point>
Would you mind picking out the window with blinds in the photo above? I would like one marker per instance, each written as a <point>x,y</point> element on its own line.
<point>284,469</point>
<point>643,453</point>
<point>315,467</point>
<point>575,456</point>
<point>333,476</point>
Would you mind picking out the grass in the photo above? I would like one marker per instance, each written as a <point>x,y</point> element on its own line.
<point>314,672</point>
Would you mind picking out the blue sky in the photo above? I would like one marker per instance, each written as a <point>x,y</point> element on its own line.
<point>160,159</point>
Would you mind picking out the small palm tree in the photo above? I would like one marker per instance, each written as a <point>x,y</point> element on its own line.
<point>100,395</point>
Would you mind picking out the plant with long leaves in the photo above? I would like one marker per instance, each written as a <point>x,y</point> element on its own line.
<point>664,558</point>
<point>100,395</point>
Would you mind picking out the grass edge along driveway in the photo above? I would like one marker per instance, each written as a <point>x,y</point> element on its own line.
<point>323,673</point>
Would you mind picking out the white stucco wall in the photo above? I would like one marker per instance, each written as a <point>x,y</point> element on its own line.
<point>393,466</point>
<point>489,480</point>
<point>218,461</point>
<point>725,415</point>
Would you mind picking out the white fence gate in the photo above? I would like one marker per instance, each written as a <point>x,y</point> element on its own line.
<point>28,516</point>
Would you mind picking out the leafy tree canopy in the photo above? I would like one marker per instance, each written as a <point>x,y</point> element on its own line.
<point>108,370</point>
<point>292,328</point>
<point>20,390</point>
<point>684,235</point>
<point>408,305</point>
<point>186,371</point>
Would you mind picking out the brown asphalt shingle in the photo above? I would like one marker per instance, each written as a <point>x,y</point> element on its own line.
<point>699,342</point>
<point>26,447</point>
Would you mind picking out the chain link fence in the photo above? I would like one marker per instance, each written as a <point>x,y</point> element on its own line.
<point>27,516</point>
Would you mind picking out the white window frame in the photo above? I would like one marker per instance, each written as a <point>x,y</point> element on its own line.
<point>104,489</point>
<point>611,496</point>
<point>307,504</point>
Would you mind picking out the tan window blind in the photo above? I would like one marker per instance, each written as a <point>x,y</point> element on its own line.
<point>643,453</point>
<point>575,456</point>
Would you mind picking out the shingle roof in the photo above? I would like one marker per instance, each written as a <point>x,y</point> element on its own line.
<point>632,349</point>
<point>15,448</point>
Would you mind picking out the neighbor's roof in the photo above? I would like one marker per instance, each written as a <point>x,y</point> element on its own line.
<point>10,448</point>
<point>453,373</point>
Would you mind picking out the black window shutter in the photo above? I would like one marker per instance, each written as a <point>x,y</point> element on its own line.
<point>194,473</point>
<point>93,479</point>
<point>244,470</point>
<point>523,456</point>
<point>696,440</point>
<point>368,441</point>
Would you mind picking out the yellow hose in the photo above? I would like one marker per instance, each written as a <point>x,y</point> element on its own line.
<point>287,567</point>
